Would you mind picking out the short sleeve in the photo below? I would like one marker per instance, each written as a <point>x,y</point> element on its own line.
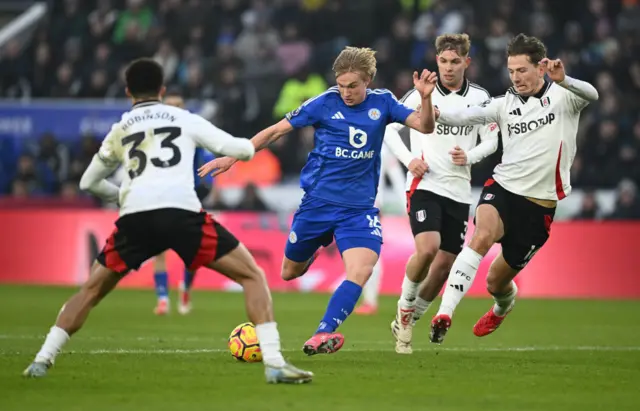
<point>309,113</point>
<point>398,111</point>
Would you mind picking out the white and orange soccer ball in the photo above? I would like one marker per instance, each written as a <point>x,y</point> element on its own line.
<point>243,343</point>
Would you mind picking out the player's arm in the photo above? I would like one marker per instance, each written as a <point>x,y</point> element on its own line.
<point>486,113</point>
<point>393,142</point>
<point>220,142</point>
<point>396,174</point>
<point>102,165</point>
<point>423,119</point>
<point>582,92</point>
<point>303,116</point>
<point>488,144</point>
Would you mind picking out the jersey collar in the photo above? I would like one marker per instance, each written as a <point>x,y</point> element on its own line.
<point>445,91</point>
<point>538,95</point>
<point>146,103</point>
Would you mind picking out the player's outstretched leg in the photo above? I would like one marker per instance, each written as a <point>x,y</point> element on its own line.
<point>427,244</point>
<point>72,316</point>
<point>359,262</point>
<point>371,291</point>
<point>501,286</point>
<point>161,282</point>
<point>489,229</point>
<point>240,266</point>
<point>184,303</point>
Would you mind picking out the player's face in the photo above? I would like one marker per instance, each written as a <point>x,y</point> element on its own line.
<point>525,76</point>
<point>175,101</point>
<point>353,88</point>
<point>451,67</point>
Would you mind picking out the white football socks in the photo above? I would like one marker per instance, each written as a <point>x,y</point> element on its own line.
<point>54,342</point>
<point>422,306</point>
<point>461,278</point>
<point>409,291</point>
<point>371,289</point>
<point>269,340</point>
<point>504,302</point>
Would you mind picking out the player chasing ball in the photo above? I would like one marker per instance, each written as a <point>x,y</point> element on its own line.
<point>159,210</point>
<point>438,184</point>
<point>539,122</point>
<point>340,179</point>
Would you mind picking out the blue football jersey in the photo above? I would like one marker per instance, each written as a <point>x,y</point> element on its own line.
<point>344,166</point>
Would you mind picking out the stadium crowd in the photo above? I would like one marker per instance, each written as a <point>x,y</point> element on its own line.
<point>258,59</point>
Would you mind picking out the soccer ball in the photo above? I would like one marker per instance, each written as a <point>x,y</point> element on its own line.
<point>243,343</point>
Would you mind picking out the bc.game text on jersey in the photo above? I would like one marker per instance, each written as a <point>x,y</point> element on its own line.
<point>344,166</point>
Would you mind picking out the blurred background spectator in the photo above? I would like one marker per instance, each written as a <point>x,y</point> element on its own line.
<point>255,60</point>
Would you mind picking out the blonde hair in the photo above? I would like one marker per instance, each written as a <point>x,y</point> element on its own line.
<point>356,59</point>
<point>460,43</point>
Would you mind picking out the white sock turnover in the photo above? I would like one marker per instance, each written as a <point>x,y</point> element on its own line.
<point>269,340</point>
<point>54,342</point>
<point>409,291</point>
<point>504,302</point>
<point>422,306</point>
<point>461,278</point>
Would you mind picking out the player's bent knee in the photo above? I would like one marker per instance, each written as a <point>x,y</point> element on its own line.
<point>360,274</point>
<point>292,269</point>
<point>426,253</point>
<point>482,240</point>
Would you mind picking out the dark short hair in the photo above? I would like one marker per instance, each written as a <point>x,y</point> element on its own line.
<point>528,46</point>
<point>144,77</point>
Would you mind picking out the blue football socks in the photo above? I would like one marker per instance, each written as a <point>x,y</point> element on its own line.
<point>161,280</point>
<point>341,305</point>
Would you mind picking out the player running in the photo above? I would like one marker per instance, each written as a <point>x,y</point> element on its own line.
<point>340,179</point>
<point>159,210</point>
<point>539,122</point>
<point>438,201</point>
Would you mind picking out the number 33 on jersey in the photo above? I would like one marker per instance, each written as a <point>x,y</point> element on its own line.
<point>156,144</point>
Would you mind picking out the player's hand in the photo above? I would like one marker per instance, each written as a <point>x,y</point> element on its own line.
<point>554,69</point>
<point>418,167</point>
<point>436,112</point>
<point>458,156</point>
<point>220,165</point>
<point>425,82</point>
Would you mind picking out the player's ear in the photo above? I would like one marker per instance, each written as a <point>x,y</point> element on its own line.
<point>467,61</point>
<point>163,91</point>
<point>127,92</point>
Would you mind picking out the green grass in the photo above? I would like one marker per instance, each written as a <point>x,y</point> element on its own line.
<point>549,355</point>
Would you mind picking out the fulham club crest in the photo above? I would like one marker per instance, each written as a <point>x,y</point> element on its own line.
<point>545,102</point>
<point>421,216</point>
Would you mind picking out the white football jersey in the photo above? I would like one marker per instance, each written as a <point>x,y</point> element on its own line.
<point>538,136</point>
<point>444,177</point>
<point>389,167</point>
<point>156,145</point>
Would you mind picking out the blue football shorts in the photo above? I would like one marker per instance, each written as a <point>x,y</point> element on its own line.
<point>317,222</point>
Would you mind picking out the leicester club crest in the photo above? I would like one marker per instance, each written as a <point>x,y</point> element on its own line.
<point>374,114</point>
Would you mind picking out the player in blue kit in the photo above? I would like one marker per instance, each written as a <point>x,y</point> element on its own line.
<point>340,179</point>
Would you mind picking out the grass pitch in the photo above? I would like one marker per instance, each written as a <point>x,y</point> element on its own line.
<point>548,355</point>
